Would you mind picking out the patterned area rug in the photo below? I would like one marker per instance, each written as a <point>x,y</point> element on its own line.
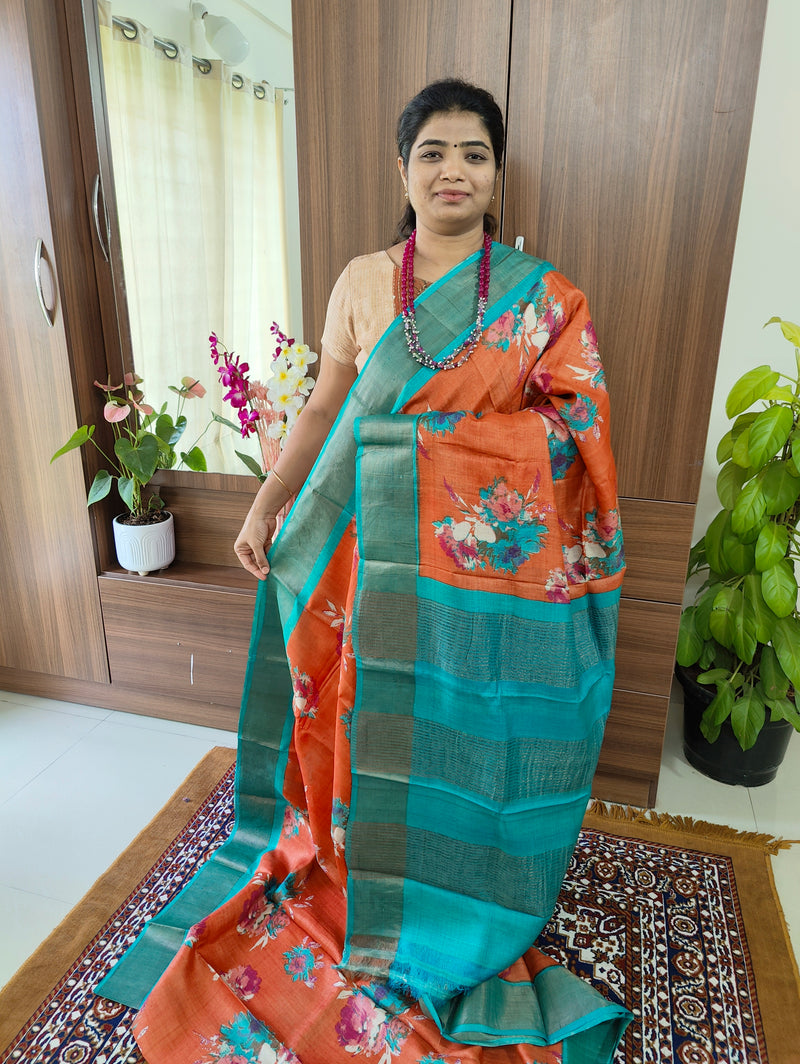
<point>677,920</point>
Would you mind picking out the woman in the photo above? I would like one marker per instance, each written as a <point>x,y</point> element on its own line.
<point>445,590</point>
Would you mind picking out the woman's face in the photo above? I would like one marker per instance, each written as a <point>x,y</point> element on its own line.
<point>451,173</point>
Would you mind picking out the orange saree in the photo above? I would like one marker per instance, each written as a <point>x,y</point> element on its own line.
<point>430,674</point>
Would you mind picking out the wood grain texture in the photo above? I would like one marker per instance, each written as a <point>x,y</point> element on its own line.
<point>625,789</point>
<point>646,638</point>
<point>657,537</point>
<point>69,207</point>
<point>197,576</point>
<point>361,62</point>
<point>177,640</point>
<point>628,129</point>
<point>51,620</point>
<point>208,516</point>
<point>83,36</point>
<point>634,735</point>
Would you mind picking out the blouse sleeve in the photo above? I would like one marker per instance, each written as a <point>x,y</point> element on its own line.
<point>338,336</point>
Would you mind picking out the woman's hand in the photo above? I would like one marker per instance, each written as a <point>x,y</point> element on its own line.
<point>254,541</point>
<point>298,456</point>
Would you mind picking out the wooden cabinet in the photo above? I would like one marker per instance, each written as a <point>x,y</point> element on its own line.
<point>174,638</point>
<point>51,618</point>
<point>627,132</point>
<point>73,625</point>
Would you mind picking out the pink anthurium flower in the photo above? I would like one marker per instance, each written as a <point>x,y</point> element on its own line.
<point>108,387</point>
<point>140,445</point>
<point>114,412</point>
<point>192,388</point>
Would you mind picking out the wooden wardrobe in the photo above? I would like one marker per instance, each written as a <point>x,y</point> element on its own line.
<point>73,625</point>
<point>627,126</point>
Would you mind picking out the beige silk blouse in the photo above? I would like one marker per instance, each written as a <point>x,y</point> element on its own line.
<point>364,302</point>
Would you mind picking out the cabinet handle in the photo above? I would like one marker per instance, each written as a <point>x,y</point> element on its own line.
<point>96,215</point>
<point>519,243</point>
<point>49,315</point>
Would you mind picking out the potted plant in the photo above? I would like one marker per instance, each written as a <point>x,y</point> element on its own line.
<point>144,441</point>
<point>738,652</point>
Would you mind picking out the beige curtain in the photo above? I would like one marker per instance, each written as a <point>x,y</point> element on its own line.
<point>198,176</point>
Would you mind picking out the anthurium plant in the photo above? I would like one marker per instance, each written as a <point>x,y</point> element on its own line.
<point>144,441</point>
<point>742,632</point>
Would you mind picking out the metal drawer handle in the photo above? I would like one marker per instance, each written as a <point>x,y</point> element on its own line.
<point>49,315</point>
<point>96,213</point>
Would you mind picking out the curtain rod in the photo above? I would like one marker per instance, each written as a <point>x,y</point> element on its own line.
<point>171,50</point>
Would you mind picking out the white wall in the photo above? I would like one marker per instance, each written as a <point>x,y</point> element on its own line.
<point>765,280</point>
<point>267,25</point>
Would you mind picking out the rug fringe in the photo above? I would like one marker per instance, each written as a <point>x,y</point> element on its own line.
<point>702,828</point>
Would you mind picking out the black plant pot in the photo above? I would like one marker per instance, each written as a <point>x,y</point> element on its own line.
<point>724,760</point>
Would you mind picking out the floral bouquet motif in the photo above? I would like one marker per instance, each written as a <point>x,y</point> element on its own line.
<point>270,408</point>
<point>500,532</point>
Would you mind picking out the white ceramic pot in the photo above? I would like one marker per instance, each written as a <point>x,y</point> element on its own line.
<point>144,549</point>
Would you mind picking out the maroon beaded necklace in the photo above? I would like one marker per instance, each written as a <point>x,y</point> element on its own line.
<point>457,358</point>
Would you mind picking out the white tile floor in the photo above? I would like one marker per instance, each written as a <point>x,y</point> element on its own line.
<point>87,780</point>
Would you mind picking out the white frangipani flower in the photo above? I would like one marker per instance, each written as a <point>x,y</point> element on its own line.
<point>301,356</point>
<point>286,401</point>
<point>277,430</point>
<point>284,375</point>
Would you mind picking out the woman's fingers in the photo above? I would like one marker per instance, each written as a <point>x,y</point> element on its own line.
<point>250,561</point>
<point>252,545</point>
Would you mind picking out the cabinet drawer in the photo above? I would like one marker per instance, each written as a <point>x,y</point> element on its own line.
<point>646,639</point>
<point>657,539</point>
<point>178,641</point>
<point>634,735</point>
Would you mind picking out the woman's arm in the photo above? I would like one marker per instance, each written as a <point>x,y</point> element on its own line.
<point>294,463</point>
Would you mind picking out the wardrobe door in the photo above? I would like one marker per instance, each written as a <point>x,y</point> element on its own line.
<point>51,620</point>
<point>358,62</point>
<point>628,128</point>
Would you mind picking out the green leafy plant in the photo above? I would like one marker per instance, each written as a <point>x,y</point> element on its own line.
<point>144,441</point>
<point>743,629</point>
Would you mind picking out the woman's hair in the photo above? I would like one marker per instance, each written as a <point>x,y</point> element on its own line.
<point>450,94</point>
